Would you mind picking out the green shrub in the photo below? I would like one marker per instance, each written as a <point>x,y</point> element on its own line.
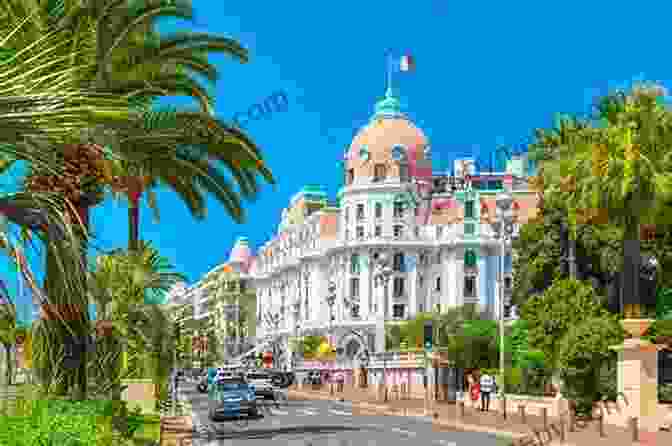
<point>665,393</point>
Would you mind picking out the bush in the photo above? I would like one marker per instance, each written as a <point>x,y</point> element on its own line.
<point>584,354</point>
<point>665,393</point>
<point>70,423</point>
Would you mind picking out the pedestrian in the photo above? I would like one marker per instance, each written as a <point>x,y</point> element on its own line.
<point>487,387</point>
<point>470,384</point>
<point>474,391</point>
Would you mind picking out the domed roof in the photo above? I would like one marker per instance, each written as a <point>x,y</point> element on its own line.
<point>241,252</point>
<point>390,136</point>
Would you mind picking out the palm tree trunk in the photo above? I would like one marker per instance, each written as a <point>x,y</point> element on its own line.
<point>133,223</point>
<point>8,351</point>
<point>629,295</point>
<point>75,382</point>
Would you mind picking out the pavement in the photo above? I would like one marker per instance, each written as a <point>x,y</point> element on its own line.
<point>315,422</point>
<point>444,416</point>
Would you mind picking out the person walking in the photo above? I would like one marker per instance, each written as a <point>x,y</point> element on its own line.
<point>470,385</point>
<point>340,380</point>
<point>474,391</point>
<point>487,383</point>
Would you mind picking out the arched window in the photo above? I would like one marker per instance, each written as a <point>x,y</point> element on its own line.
<point>379,210</point>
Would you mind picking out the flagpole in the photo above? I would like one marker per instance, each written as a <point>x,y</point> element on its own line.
<point>389,70</point>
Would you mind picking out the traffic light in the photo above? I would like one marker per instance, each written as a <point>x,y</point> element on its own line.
<point>428,335</point>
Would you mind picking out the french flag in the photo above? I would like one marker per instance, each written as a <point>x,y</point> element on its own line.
<point>407,63</point>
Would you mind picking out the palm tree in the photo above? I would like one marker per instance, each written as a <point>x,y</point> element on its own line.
<point>133,60</point>
<point>622,168</point>
<point>88,166</point>
<point>8,329</point>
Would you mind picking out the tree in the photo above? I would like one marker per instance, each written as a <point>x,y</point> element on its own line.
<point>583,352</point>
<point>622,169</point>
<point>566,303</point>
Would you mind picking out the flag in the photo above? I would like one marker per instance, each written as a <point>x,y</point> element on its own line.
<point>407,63</point>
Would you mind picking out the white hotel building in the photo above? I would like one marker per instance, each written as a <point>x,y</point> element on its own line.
<point>442,253</point>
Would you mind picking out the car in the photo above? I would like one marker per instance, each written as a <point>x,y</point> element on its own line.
<point>230,397</point>
<point>263,384</point>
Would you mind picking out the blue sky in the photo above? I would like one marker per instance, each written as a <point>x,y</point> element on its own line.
<point>487,73</point>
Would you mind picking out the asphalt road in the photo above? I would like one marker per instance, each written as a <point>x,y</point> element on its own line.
<point>322,423</point>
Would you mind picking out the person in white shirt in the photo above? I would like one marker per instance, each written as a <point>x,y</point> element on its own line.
<point>487,387</point>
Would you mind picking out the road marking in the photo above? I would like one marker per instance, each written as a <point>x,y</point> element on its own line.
<point>278,412</point>
<point>307,412</point>
<point>446,443</point>
<point>403,432</point>
<point>338,412</point>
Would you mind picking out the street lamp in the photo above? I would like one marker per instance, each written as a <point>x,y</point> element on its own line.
<point>331,300</point>
<point>273,320</point>
<point>503,230</point>
<point>382,275</point>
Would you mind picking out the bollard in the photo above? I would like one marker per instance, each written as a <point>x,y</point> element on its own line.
<point>571,420</point>
<point>521,411</point>
<point>634,425</point>
<point>544,415</point>
<point>600,425</point>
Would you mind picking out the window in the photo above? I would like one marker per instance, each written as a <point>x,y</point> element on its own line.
<point>347,234</point>
<point>243,286</point>
<point>399,262</point>
<point>421,308</point>
<point>398,231</point>
<point>439,232</point>
<point>360,212</point>
<point>470,286</point>
<point>354,287</point>
<point>378,210</point>
<point>398,209</point>
<point>403,173</point>
<point>398,287</point>
<point>398,311</point>
<point>423,259</point>
<point>346,215</point>
<point>470,258</point>
<point>507,283</point>
<point>494,185</point>
<point>354,264</point>
<point>378,231</point>
<point>360,232</point>
<point>350,177</point>
<point>421,280</point>
<point>469,228</point>
<point>469,209</point>
<point>437,284</point>
<point>379,172</point>
<point>416,231</point>
<point>437,258</point>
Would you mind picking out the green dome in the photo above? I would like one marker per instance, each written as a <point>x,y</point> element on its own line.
<point>389,106</point>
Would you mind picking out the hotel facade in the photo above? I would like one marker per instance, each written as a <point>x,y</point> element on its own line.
<point>319,273</point>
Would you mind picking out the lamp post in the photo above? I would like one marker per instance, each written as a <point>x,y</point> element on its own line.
<point>296,308</point>
<point>503,231</point>
<point>382,275</point>
<point>273,320</point>
<point>331,300</point>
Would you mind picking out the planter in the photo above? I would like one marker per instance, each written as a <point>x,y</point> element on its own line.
<point>140,392</point>
<point>636,327</point>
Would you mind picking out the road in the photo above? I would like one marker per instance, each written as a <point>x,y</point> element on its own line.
<point>322,423</point>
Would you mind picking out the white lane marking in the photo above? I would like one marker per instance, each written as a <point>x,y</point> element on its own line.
<point>403,432</point>
<point>278,412</point>
<point>338,412</point>
<point>446,442</point>
<point>307,412</point>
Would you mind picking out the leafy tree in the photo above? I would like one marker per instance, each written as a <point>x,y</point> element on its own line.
<point>583,352</point>
<point>664,304</point>
<point>566,303</point>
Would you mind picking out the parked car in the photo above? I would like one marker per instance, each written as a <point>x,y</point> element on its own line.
<point>230,397</point>
<point>313,377</point>
<point>262,383</point>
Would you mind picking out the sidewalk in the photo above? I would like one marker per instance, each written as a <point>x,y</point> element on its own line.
<point>446,415</point>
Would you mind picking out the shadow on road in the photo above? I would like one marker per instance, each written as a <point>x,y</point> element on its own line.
<point>217,433</point>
